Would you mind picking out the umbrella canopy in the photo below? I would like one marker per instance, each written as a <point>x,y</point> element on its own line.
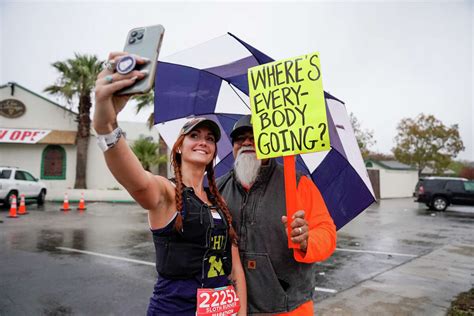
<point>211,80</point>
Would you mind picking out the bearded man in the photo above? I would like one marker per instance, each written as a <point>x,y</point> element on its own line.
<point>279,280</point>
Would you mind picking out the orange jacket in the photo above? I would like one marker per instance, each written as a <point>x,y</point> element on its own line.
<point>322,234</point>
<point>322,231</point>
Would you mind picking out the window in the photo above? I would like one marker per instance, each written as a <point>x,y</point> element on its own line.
<point>28,176</point>
<point>435,184</point>
<point>5,174</point>
<point>53,163</point>
<point>454,186</point>
<point>19,175</point>
<point>469,186</point>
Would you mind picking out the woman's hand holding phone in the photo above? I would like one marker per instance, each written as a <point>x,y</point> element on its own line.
<point>113,89</point>
<point>107,103</point>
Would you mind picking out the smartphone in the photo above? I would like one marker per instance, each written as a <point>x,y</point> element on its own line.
<point>144,42</point>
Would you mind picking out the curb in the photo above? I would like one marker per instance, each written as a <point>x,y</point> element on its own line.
<point>89,201</point>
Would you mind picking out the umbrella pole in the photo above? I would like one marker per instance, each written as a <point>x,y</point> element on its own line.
<point>290,193</point>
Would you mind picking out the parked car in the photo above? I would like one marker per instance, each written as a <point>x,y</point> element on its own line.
<point>440,192</point>
<point>16,181</point>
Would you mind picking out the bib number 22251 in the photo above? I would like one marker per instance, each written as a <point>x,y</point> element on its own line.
<point>217,302</point>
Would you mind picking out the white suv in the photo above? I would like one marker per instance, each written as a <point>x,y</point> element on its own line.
<point>15,181</point>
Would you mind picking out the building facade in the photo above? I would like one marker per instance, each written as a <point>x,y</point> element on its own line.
<point>39,135</point>
<point>395,179</point>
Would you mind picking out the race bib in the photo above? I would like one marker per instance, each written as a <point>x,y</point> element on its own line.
<point>217,302</point>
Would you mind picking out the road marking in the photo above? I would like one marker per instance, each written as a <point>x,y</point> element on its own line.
<point>107,256</point>
<point>377,252</point>
<point>321,289</point>
<point>317,289</point>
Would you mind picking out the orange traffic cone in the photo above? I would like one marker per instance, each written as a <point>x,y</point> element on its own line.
<point>13,208</point>
<point>82,204</point>
<point>22,208</point>
<point>65,204</point>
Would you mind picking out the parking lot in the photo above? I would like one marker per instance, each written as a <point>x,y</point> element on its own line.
<point>396,258</point>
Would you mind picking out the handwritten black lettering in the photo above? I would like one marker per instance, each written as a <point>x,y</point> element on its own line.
<point>256,101</point>
<point>298,69</point>
<point>258,78</point>
<point>264,121</point>
<point>288,68</point>
<point>282,107</point>
<point>315,74</point>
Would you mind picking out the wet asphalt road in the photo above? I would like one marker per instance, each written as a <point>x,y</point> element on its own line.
<point>42,272</point>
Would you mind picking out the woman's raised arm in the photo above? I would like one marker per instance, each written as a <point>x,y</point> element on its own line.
<point>148,190</point>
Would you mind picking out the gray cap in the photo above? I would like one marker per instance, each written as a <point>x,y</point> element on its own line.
<point>201,121</point>
<point>241,126</point>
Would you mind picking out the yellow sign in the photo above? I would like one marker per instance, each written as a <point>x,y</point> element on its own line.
<point>288,107</point>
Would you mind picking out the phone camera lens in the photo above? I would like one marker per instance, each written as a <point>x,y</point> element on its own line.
<point>132,40</point>
<point>134,33</point>
<point>140,36</point>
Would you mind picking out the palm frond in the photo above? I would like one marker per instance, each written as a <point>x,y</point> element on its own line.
<point>150,121</point>
<point>76,76</point>
<point>144,100</point>
<point>147,153</point>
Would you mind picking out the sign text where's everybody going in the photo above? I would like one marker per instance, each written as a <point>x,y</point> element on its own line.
<point>288,107</point>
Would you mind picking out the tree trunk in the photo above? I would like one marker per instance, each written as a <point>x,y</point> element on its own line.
<point>82,139</point>
<point>82,145</point>
<point>162,150</point>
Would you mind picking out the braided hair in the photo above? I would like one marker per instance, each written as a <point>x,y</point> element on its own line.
<point>220,201</point>
<point>175,159</point>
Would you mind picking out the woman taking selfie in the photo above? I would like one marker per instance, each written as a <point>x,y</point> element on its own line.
<point>196,253</point>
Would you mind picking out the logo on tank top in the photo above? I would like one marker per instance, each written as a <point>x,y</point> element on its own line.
<point>215,264</point>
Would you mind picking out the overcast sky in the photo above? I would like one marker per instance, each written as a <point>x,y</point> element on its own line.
<point>386,61</point>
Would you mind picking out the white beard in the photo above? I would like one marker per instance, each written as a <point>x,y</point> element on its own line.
<point>246,166</point>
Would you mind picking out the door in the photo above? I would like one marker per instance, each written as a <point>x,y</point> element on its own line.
<point>469,192</point>
<point>33,186</point>
<point>21,184</point>
<point>456,191</point>
<point>374,176</point>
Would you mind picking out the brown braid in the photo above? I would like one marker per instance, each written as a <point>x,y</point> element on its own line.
<point>175,159</point>
<point>220,201</point>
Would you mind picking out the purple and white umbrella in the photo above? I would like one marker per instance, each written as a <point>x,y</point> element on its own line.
<point>211,80</point>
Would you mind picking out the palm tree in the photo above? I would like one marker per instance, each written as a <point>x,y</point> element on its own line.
<point>147,153</point>
<point>76,83</point>
<point>145,101</point>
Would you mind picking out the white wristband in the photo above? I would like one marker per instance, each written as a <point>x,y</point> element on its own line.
<point>108,141</point>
